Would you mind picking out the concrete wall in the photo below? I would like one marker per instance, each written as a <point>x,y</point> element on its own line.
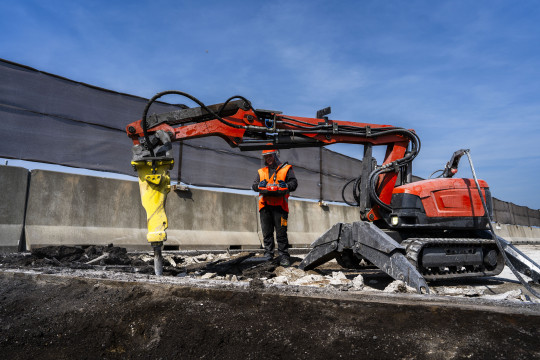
<point>211,220</point>
<point>69,209</point>
<point>518,234</point>
<point>307,220</point>
<point>13,185</point>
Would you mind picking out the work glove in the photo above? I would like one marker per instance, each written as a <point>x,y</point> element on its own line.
<point>263,183</point>
<point>282,184</point>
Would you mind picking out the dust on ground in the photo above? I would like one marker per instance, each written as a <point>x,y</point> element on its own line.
<point>250,266</point>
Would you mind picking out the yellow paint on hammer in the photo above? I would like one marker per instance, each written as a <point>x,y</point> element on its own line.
<point>154,185</point>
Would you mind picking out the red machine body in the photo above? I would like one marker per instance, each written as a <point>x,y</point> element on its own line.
<point>448,197</point>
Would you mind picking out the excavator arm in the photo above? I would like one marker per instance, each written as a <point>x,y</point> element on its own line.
<point>436,227</point>
<point>250,129</point>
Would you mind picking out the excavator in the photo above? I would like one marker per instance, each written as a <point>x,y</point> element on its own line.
<point>415,231</point>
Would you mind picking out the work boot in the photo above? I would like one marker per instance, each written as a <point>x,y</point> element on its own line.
<point>268,255</point>
<point>285,261</point>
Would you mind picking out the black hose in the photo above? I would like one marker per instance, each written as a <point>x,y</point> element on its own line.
<point>436,171</point>
<point>298,121</point>
<point>314,127</point>
<point>415,141</point>
<point>415,149</point>
<point>232,98</point>
<point>356,189</point>
<point>181,93</point>
<point>354,194</point>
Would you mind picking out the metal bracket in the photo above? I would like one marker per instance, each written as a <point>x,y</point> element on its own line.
<point>367,241</point>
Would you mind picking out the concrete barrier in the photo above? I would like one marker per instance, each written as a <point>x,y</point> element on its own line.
<point>308,220</point>
<point>13,182</point>
<point>211,220</point>
<point>518,234</point>
<point>70,209</point>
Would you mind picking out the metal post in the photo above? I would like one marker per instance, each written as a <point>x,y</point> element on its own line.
<point>320,176</point>
<point>179,172</point>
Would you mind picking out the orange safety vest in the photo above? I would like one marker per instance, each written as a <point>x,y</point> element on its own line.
<point>280,174</point>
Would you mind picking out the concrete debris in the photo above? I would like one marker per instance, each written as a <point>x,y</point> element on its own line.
<point>513,295</point>
<point>240,267</point>
<point>292,274</point>
<point>340,281</point>
<point>170,259</point>
<point>279,280</point>
<point>208,275</point>
<point>312,280</point>
<point>509,295</point>
<point>338,275</point>
<point>146,258</point>
<point>98,259</point>
<point>467,291</point>
<point>399,286</point>
<point>358,283</point>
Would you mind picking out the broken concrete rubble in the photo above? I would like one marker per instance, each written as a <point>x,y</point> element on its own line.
<point>243,267</point>
<point>399,286</point>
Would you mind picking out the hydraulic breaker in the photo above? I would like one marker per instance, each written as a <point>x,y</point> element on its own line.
<point>368,241</point>
<point>154,185</point>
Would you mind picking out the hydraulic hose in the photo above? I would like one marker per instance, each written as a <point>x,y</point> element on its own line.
<point>357,199</point>
<point>346,130</point>
<point>232,98</point>
<point>415,149</point>
<point>191,97</point>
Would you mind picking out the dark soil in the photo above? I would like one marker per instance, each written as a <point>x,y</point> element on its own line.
<point>72,315</point>
<point>59,317</point>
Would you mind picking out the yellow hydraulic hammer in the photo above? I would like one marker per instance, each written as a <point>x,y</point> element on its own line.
<point>154,185</point>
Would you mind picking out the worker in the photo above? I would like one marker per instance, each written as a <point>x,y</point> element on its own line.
<point>273,205</point>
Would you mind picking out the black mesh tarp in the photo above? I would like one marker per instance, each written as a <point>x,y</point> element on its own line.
<point>47,118</point>
<point>509,213</point>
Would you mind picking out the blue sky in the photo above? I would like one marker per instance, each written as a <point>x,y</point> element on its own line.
<point>463,74</point>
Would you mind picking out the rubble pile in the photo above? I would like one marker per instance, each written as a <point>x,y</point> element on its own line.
<point>75,257</point>
<point>242,266</point>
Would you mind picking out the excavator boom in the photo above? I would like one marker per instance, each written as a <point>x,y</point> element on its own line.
<point>430,229</point>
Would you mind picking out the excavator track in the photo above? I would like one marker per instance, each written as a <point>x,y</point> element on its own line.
<point>450,258</point>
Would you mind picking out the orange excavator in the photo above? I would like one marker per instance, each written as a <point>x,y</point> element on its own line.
<point>414,231</point>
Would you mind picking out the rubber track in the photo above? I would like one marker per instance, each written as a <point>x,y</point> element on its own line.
<point>414,247</point>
